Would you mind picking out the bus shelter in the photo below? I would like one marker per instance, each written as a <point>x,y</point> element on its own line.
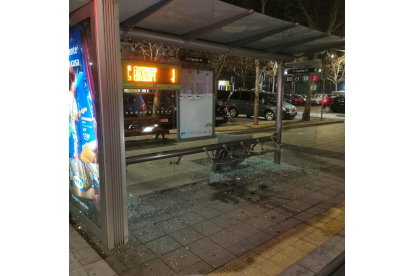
<point>98,75</point>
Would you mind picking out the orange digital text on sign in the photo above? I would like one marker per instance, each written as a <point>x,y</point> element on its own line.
<point>144,74</point>
<point>150,74</point>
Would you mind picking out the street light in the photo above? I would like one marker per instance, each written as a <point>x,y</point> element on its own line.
<point>332,56</point>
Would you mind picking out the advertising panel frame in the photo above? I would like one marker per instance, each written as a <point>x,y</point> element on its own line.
<point>179,139</point>
<point>81,14</point>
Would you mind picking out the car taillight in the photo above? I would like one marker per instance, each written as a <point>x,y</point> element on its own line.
<point>325,100</point>
<point>143,107</point>
<point>225,109</point>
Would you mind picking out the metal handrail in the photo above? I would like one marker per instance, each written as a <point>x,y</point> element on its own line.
<point>180,152</point>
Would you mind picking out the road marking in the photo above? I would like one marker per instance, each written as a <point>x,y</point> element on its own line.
<point>301,133</point>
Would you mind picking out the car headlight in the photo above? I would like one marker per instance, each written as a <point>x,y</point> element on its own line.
<point>293,108</point>
<point>284,109</point>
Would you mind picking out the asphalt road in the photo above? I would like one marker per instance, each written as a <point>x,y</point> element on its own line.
<point>315,112</point>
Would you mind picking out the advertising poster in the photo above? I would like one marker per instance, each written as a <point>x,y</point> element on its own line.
<point>196,104</point>
<point>84,188</point>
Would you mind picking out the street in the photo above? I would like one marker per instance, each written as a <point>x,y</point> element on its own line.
<point>315,113</point>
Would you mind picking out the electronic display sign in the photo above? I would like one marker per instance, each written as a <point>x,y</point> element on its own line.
<point>150,75</point>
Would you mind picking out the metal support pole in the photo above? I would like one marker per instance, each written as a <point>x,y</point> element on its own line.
<point>279,111</point>
<point>323,88</point>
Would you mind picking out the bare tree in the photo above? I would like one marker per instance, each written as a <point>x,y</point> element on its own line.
<point>240,66</point>
<point>336,70</point>
<point>270,69</point>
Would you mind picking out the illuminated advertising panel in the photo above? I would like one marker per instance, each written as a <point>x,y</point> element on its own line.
<point>84,180</point>
<point>150,75</point>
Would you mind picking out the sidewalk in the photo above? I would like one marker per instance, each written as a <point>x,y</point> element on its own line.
<point>256,219</point>
<point>83,260</point>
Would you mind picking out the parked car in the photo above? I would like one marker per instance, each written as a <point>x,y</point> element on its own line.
<point>317,99</point>
<point>326,103</point>
<point>222,115</point>
<point>338,104</point>
<point>141,105</point>
<point>294,99</point>
<point>242,102</point>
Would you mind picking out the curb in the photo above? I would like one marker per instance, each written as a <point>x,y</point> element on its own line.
<point>332,266</point>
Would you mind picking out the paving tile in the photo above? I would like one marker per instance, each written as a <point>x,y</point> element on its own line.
<point>225,207</point>
<point>126,273</point>
<point>115,264</point>
<point>304,216</point>
<point>335,200</point>
<point>342,233</point>
<point>243,230</point>
<point>315,210</point>
<point>208,212</point>
<point>220,258</point>
<point>259,238</point>
<point>148,233</point>
<point>155,267</point>
<point>269,268</point>
<point>315,239</point>
<point>179,210</point>
<point>162,245</point>
<point>331,192</point>
<point>200,268</point>
<point>136,256</point>
<point>204,248</point>
<point>338,241</point>
<point>99,268</point>
<point>171,225</point>
<point>74,265</point>
<point>80,271</point>
<point>260,222</point>
<point>297,270</point>
<point>241,247</point>
<point>186,235</point>
<point>76,241</point>
<point>180,259</point>
<point>225,220</point>
<point>282,260</point>
<point>315,198</point>
<point>304,246</point>
<point>287,210</point>
<point>314,261</point>
<point>206,227</point>
<point>299,205</point>
<point>293,252</point>
<point>252,259</point>
<point>325,205</point>
<point>276,230</point>
<point>290,223</point>
<point>191,218</point>
<point>225,238</point>
<point>86,255</point>
<point>274,216</point>
<point>255,209</point>
<point>241,214</point>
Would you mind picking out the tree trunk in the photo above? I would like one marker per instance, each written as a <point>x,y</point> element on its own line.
<point>256,96</point>
<point>244,85</point>
<point>306,111</point>
<point>273,84</point>
<point>156,104</point>
<point>336,86</point>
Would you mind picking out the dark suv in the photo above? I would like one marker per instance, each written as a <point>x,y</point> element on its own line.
<point>242,102</point>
